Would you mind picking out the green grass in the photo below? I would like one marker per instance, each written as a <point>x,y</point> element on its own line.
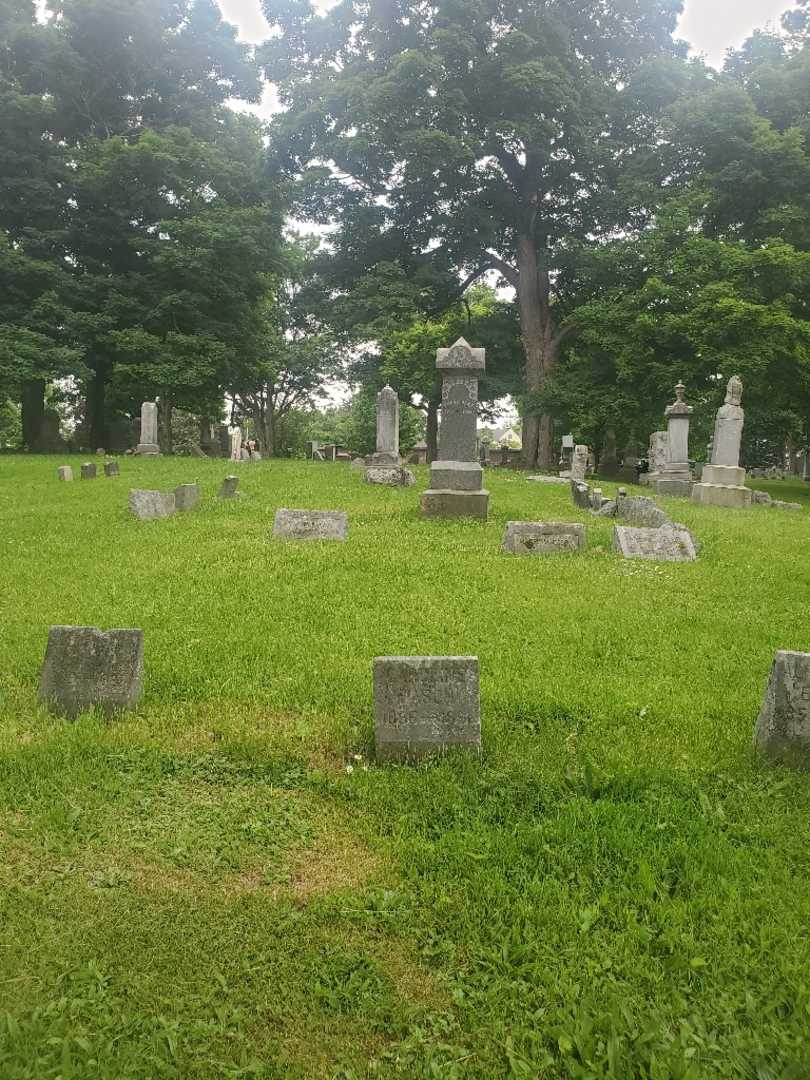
<point>617,888</point>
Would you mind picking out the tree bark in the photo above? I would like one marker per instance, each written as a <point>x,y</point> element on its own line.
<point>33,412</point>
<point>432,432</point>
<point>96,405</point>
<point>165,410</point>
<point>541,349</point>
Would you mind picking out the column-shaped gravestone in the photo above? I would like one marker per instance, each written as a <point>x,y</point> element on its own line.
<point>387,428</point>
<point>456,477</point>
<point>723,482</point>
<point>148,442</point>
<point>235,451</point>
<point>656,457</point>
<point>675,478</point>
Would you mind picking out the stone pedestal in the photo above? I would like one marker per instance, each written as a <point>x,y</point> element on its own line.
<point>148,442</point>
<point>723,482</point>
<point>456,476</point>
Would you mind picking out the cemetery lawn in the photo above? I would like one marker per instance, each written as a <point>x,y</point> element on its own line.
<point>223,884</point>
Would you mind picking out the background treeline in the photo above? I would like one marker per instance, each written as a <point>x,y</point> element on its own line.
<point>648,216</point>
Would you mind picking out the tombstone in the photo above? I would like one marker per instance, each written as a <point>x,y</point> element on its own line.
<point>88,470</point>
<point>228,489</point>
<point>86,667</point>
<point>456,476</point>
<point>389,475</point>
<point>418,455</point>
<point>64,472</point>
<point>542,538</point>
<point>187,497</point>
<point>111,468</point>
<point>656,457</point>
<point>667,544</point>
<point>311,525</point>
<point>425,705</point>
<point>609,459</point>
<point>150,505</point>
<point>641,512</point>
<point>235,444</point>
<point>387,452</point>
<point>597,499</point>
<point>581,494</point>
<point>723,482</point>
<point>579,462</point>
<point>675,477</point>
<point>148,441</point>
<point>783,728</point>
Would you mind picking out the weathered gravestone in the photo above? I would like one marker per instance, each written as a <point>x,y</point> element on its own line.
<point>148,441</point>
<point>111,468</point>
<point>424,705</point>
<point>228,489</point>
<point>579,463</point>
<point>387,452</point>
<point>542,538</point>
<point>311,525</point>
<point>390,475</point>
<point>656,458</point>
<point>86,667</point>
<point>783,728</point>
<point>667,544</point>
<point>88,470</point>
<point>581,494</point>
<point>149,505</point>
<point>456,476</point>
<point>675,476</point>
<point>235,444</point>
<point>187,497</point>
<point>723,482</point>
<point>641,511</point>
<point>64,472</point>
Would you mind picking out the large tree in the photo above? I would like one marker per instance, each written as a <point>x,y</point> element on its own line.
<point>487,134</point>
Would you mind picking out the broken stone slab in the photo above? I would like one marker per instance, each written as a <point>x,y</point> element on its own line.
<point>187,497</point>
<point>228,489</point>
<point>425,705</point>
<point>88,470</point>
<point>783,728</point>
<point>666,544</point>
<point>311,525</point>
<point>64,472</point>
<point>149,505</point>
<point>85,667</point>
<point>761,497</point>
<point>779,505</point>
<point>542,538</point>
<point>389,475</point>
<point>549,480</point>
<point>641,511</point>
<point>111,468</point>
<point>607,509</point>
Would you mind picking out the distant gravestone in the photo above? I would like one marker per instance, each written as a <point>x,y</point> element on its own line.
<point>389,475</point>
<point>667,544</point>
<point>235,444</point>
<point>148,441</point>
<point>579,463</point>
<point>723,481</point>
<point>228,489</point>
<point>64,472</point>
<point>783,728</point>
<point>88,470</point>
<point>86,667</point>
<point>675,475</point>
<point>149,505</point>
<point>424,705</point>
<point>111,468</point>
<point>187,497</point>
<point>540,479</point>
<point>311,525</point>
<point>387,452</point>
<point>581,494</point>
<point>542,538</point>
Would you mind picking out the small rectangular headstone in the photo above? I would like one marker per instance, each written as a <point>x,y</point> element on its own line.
<point>228,489</point>
<point>542,538</point>
<point>311,525</point>
<point>89,470</point>
<point>389,475</point>
<point>581,494</point>
<point>111,468</point>
<point>64,472</point>
<point>424,705</point>
<point>783,728</point>
<point>187,497</point>
<point>86,667</point>
<point>148,505</point>
<point>667,544</point>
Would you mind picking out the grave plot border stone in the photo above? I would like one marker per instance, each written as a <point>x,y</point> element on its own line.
<point>311,525</point>
<point>543,538</point>
<point>667,544</point>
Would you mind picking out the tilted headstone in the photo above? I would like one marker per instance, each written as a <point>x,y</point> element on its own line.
<point>64,472</point>
<point>389,475</point>
<point>111,468</point>
<point>640,511</point>
<point>425,705</point>
<point>149,505</point>
<point>675,477</point>
<point>723,482</point>
<point>783,728</point>
<point>88,470</point>
<point>86,667</point>
<point>148,442</point>
<point>542,538</point>
<point>579,462</point>
<point>667,544</point>
<point>456,476</point>
<point>228,489</point>
<point>311,525</point>
<point>387,452</point>
<point>187,497</point>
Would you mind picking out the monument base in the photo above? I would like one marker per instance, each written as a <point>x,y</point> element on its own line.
<point>438,502</point>
<point>738,498</point>
<point>456,476</point>
<point>148,450</point>
<point>389,475</point>
<point>724,475</point>
<point>676,489</point>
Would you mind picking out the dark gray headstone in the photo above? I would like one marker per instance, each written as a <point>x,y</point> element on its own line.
<point>581,494</point>
<point>229,486</point>
<point>424,705</point>
<point>187,497</point>
<point>783,729</point>
<point>111,468</point>
<point>311,525</point>
<point>86,667</point>
<point>542,538</point>
<point>89,470</point>
<point>641,511</point>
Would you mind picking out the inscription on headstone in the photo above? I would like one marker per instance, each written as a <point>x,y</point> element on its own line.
<point>311,525</point>
<point>542,538</point>
<point>667,544</point>
<point>86,667</point>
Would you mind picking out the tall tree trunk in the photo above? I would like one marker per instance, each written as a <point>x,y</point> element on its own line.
<point>33,412</point>
<point>432,432</point>
<point>541,350</point>
<point>165,410</point>
<point>96,404</point>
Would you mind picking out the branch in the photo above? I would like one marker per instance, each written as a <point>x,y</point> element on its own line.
<point>506,269</point>
<point>567,331</point>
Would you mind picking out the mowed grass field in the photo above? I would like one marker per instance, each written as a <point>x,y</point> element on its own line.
<point>223,884</point>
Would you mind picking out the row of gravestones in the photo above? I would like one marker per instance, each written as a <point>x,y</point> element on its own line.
<point>89,471</point>
<point>422,704</point>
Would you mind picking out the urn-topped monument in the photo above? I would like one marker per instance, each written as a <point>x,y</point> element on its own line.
<point>675,476</point>
<point>723,482</point>
<point>456,476</point>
